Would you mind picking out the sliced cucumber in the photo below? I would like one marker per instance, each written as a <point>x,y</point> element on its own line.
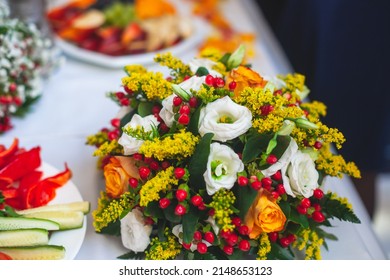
<point>83,206</point>
<point>9,223</point>
<point>24,237</point>
<point>65,219</point>
<point>42,252</point>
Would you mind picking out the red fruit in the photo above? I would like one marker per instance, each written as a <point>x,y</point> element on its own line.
<point>291,238</point>
<point>211,212</point>
<point>244,245</point>
<point>209,237</point>
<point>12,87</point>
<point>209,80</point>
<point>138,156</point>
<point>196,200</point>
<point>154,165</point>
<point>317,145</point>
<point>112,135</point>
<point>164,202</point>
<point>148,160</point>
<point>219,82</point>
<point>266,109</point>
<point>302,210</point>
<point>242,181</point>
<point>232,85</point>
<point>284,242</point>
<point>277,176</point>
<point>202,248</point>
<point>177,101</point>
<point>17,101</point>
<point>164,127</point>
<point>201,206</point>
<point>181,195</point>
<point>124,102</point>
<point>232,239</point>
<point>179,172</point>
<point>133,182</point>
<point>256,185</point>
<point>243,230</point>
<point>186,78</point>
<point>318,217</point>
<point>197,235</point>
<point>184,119</point>
<point>275,195</point>
<point>280,189</point>
<point>185,109</point>
<point>115,122</point>
<point>316,207</point>
<point>318,193</point>
<point>165,164</point>
<point>236,221</point>
<point>128,91</point>
<point>144,172</point>
<point>225,234</point>
<point>193,102</point>
<point>156,109</point>
<point>186,245</point>
<point>228,249</point>
<point>266,182</point>
<point>180,210</point>
<point>305,202</point>
<point>273,236</point>
<point>271,159</point>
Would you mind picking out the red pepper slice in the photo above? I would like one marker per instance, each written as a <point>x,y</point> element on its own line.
<point>45,190</point>
<point>22,164</point>
<point>26,185</point>
<point>5,183</point>
<point>6,154</point>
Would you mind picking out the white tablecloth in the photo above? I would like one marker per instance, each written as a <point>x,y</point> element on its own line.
<point>74,106</point>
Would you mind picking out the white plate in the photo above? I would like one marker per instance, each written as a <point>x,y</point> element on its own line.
<point>200,30</point>
<point>70,239</point>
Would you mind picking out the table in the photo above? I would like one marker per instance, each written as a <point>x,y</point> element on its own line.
<point>74,106</point>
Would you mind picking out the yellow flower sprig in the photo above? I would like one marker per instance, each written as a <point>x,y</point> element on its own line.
<point>110,210</point>
<point>310,242</point>
<point>179,69</point>
<point>264,246</point>
<point>162,182</point>
<point>108,148</point>
<point>179,146</point>
<point>223,201</point>
<point>163,250</point>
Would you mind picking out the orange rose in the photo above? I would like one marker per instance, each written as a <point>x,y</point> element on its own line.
<point>245,77</point>
<point>264,215</point>
<point>117,180</point>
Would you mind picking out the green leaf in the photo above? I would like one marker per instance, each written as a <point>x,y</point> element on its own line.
<point>236,58</point>
<point>113,228</point>
<point>334,208</point>
<point>324,234</point>
<point>217,252</point>
<point>170,215</point>
<point>25,108</point>
<point>244,199</point>
<point>132,256</point>
<point>224,59</point>
<point>145,109</point>
<point>189,220</point>
<point>202,71</point>
<point>193,126</point>
<point>299,219</point>
<point>279,253</point>
<point>198,163</point>
<point>153,209</point>
<point>161,224</point>
<point>254,146</point>
<point>286,208</point>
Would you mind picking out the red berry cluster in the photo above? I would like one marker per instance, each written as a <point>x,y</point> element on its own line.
<point>184,109</point>
<point>235,239</point>
<point>311,208</point>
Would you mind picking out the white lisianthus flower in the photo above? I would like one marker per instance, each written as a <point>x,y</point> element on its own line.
<point>283,161</point>
<point>134,233</point>
<point>225,118</point>
<point>223,164</point>
<point>131,144</point>
<point>166,113</point>
<point>206,63</point>
<point>300,177</point>
<point>178,232</point>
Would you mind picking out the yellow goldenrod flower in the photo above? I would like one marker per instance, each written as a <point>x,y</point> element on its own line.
<point>222,203</point>
<point>264,246</point>
<point>163,250</point>
<point>179,69</point>
<point>107,148</point>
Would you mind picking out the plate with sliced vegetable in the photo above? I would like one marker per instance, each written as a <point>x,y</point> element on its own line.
<point>117,33</point>
<point>42,213</point>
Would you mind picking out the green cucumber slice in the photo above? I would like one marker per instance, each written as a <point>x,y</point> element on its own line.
<point>24,237</point>
<point>65,219</point>
<point>9,223</point>
<point>83,206</point>
<point>42,252</point>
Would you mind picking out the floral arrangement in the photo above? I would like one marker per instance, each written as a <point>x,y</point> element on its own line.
<point>217,162</point>
<point>25,58</point>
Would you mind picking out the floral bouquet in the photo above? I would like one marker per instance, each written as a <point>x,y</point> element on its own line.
<point>217,162</point>
<point>25,58</point>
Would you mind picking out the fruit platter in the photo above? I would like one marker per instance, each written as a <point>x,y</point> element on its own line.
<point>110,33</point>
